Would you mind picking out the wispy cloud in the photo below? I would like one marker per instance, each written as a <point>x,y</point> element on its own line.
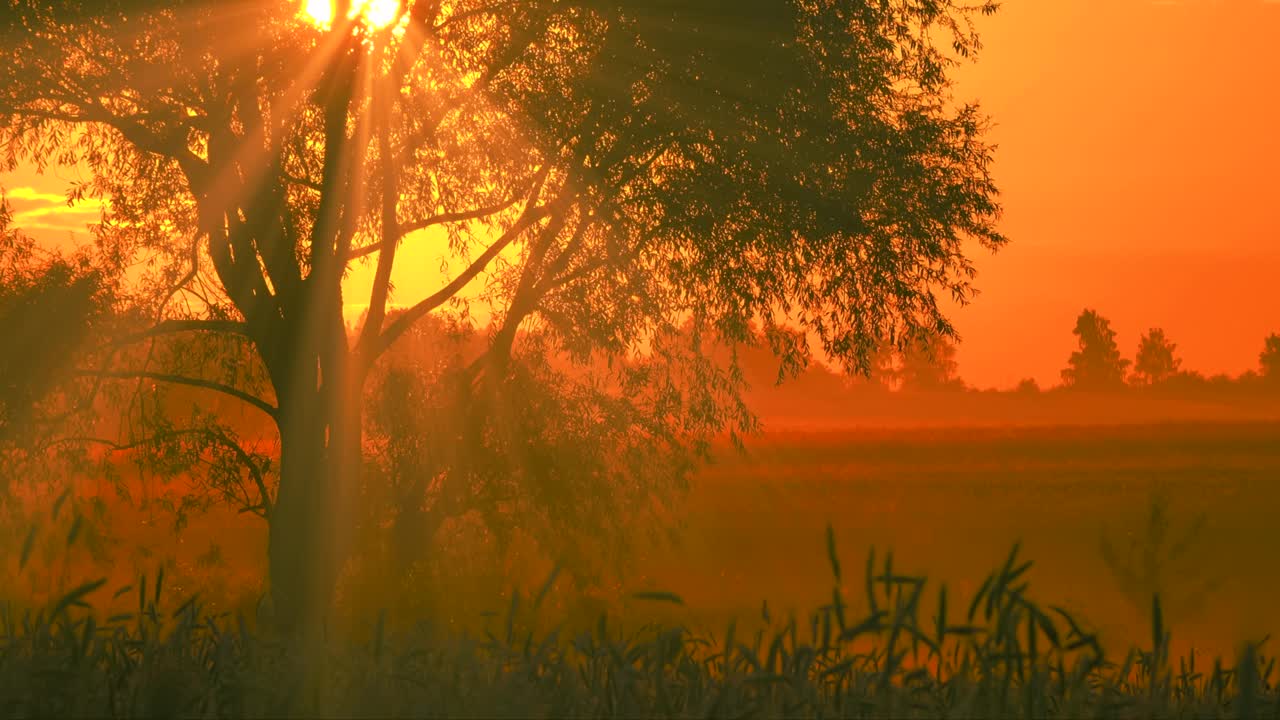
<point>45,212</point>
<point>39,211</point>
<point>30,193</point>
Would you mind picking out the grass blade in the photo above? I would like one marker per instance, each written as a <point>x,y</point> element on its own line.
<point>27,546</point>
<point>77,595</point>
<point>658,596</point>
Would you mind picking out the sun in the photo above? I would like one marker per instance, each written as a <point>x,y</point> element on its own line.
<point>376,14</point>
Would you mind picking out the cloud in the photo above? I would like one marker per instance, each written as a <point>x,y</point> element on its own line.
<point>53,227</point>
<point>30,193</point>
<point>39,210</point>
<point>44,212</point>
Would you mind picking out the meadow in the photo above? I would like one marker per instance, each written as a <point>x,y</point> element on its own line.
<point>950,502</point>
<point>851,573</point>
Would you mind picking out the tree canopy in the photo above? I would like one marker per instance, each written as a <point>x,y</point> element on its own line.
<point>1097,365</point>
<point>1156,361</point>
<point>1269,358</point>
<point>47,303</point>
<point>929,364</point>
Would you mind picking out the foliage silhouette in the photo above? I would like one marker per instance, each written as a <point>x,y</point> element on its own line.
<point>47,305</point>
<point>927,364</point>
<point>1269,359</point>
<point>552,458</point>
<point>1156,362</point>
<point>1097,365</point>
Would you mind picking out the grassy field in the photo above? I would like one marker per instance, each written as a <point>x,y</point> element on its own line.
<point>950,502</point>
<point>775,525</point>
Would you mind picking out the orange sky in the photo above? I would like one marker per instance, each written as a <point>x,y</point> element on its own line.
<point>1140,163</point>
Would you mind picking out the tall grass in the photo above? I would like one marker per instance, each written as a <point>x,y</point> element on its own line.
<point>907,653</point>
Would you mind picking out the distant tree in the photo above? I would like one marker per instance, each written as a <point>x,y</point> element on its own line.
<point>1156,361</point>
<point>927,364</point>
<point>1189,378</point>
<point>1269,359</point>
<point>47,302</point>
<point>881,372</point>
<point>1097,365</point>
<point>1028,386</point>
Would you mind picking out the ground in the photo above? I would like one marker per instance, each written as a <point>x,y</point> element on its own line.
<point>950,503</point>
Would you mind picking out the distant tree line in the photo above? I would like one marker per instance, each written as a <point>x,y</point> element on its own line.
<point>1097,363</point>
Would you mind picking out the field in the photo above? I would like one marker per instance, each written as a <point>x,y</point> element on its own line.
<point>948,502</point>
<point>951,502</point>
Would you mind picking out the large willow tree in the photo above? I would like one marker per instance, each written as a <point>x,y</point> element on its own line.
<point>614,168</point>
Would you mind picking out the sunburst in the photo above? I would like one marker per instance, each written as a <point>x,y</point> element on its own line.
<point>376,14</point>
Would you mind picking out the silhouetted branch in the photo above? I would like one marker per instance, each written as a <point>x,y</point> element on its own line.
<point>167,327</point>
<point>373,345</point>
<point>441,219</point>
<point>172,327</point>
<point>417,312</point>
<point>392,232</point>
<point>241,395</point>
<point>302,181</point>
<point>219,438</point>
<point>444,218</point>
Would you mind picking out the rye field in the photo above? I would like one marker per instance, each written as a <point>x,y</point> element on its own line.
<point>1189,510</point>
<point>1124,571</point>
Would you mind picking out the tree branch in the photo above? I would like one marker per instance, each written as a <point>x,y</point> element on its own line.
<point>303,182</point>
<point>218,437</point>
<point>462,216</point>
<point>391,228</point>
<point>441,219</point>
<point>172,327</point>
<point>417,312</point>
<point>241,395</point>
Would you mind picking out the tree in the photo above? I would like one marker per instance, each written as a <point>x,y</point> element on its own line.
<point>1097,365</point>
<point>881,373</point>
<point>1269,359</point>
<point>551,463</point>
<point>613,168</point>
<point>928,365</point>
<point>47,303</point>
<point>1156,362</point>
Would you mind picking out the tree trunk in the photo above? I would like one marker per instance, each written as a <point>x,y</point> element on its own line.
<point>320,462</point>
<point>300,582</point>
